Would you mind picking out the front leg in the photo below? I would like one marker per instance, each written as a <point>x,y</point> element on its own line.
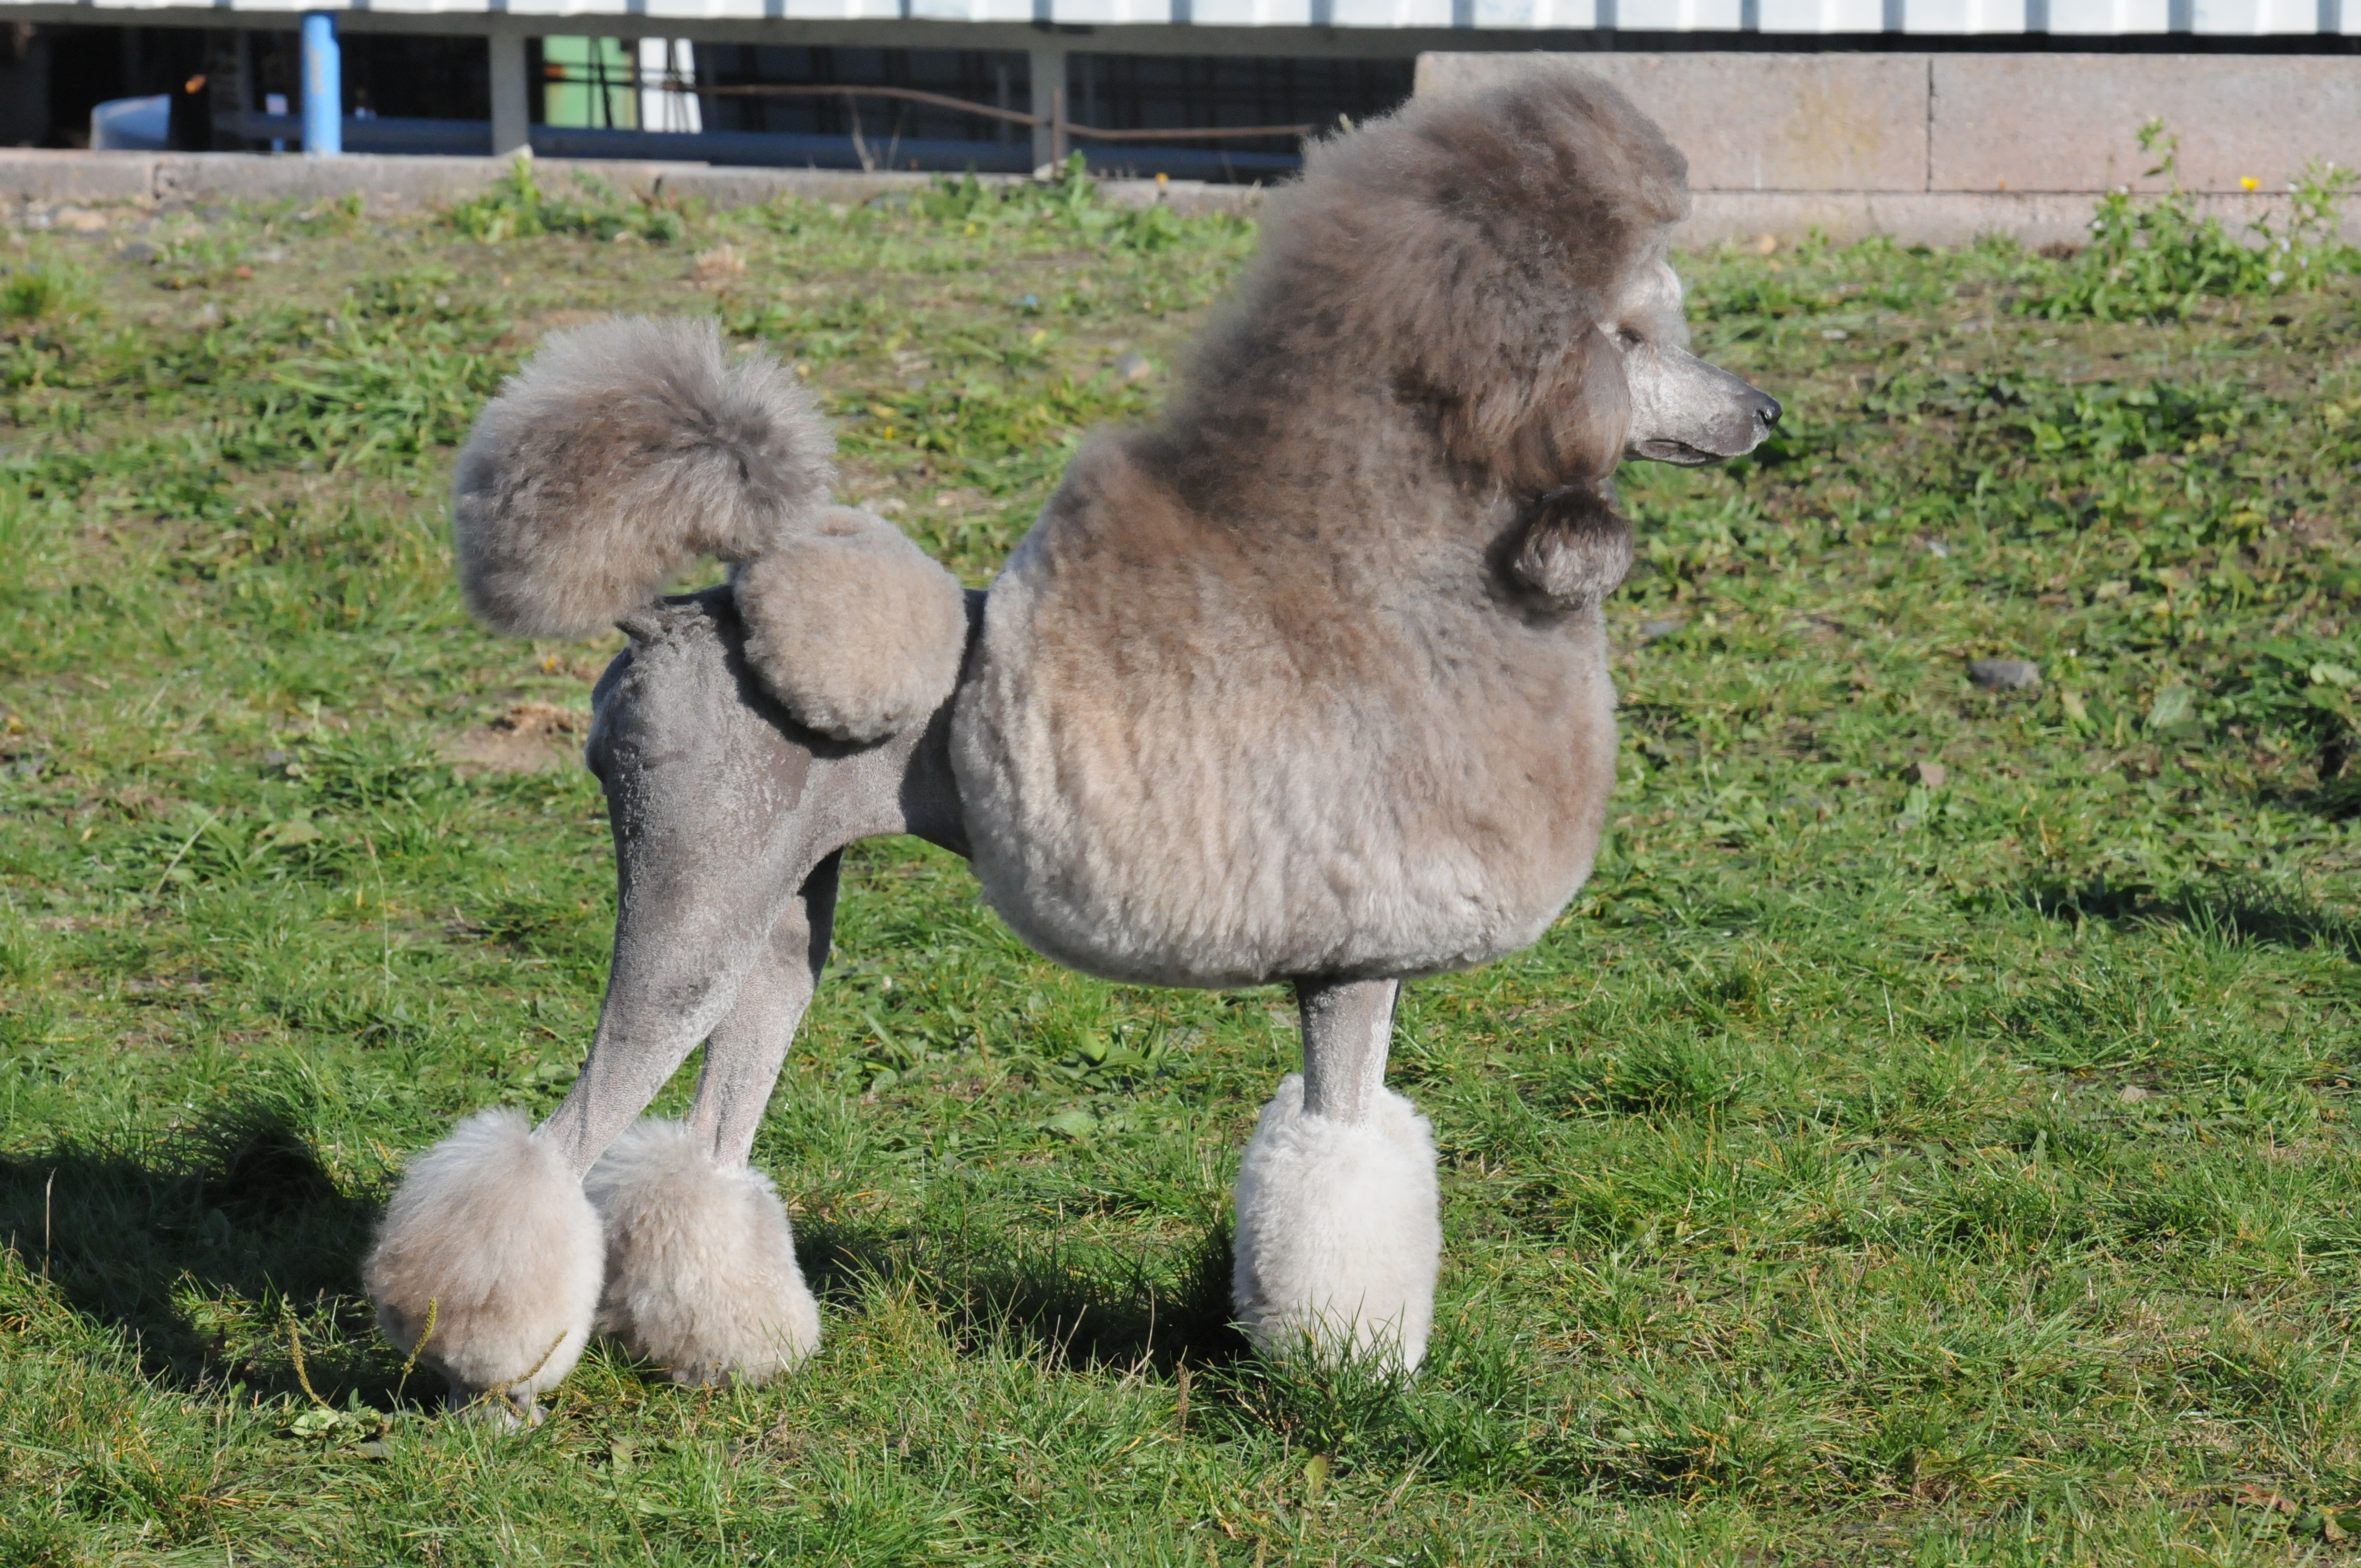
<point>1339,1237</point>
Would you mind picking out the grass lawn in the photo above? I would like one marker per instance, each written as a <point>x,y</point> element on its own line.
<point>1927,1140</point>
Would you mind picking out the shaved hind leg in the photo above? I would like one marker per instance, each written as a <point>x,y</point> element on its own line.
<point>687,942</point>
<point>743,1058</point>
<point>701,1271</point>
<point>493,1257</point>
<point>504,1244</point>
<point>1339,1239</point>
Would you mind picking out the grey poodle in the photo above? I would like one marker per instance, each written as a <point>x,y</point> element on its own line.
<point>1305,682</point>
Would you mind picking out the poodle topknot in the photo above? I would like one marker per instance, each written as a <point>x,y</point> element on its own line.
<point>1458,256</point>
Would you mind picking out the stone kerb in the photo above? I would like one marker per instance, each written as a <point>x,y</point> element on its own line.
<point>36,185</point>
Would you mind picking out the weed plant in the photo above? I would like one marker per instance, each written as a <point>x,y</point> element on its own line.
<point>517,207</point>
<point>2153,257</point>
<point>1927,1140</point>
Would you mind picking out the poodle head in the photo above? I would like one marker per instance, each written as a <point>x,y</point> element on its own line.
<point>1682,410</point>
<point>1500,258</point>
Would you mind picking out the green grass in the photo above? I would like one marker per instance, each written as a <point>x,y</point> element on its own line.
<point>1867,1168</point>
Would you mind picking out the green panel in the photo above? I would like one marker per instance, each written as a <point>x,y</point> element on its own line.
<point>589,81</point>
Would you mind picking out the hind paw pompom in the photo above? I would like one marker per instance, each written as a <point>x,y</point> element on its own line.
<point>701,1271</point>
<point>488,1264</point>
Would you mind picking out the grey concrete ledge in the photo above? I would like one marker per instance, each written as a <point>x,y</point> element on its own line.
<point>1971,121</point>
<point>2033,219</point>
<point>35,185</point>
<point>93,190</point>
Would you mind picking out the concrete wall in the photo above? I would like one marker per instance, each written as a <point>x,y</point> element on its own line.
<point>1931,148</point>
<point>1940,148</point>
<point>42,189</point>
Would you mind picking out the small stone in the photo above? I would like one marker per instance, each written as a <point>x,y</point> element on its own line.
<point>2004,675</point>
<point>140,250</point>
<point>1133,366</point>
<point>1650,631</point>
<point>2131,1094</point>
<point>1834,334</point>
<point>1934,776</point>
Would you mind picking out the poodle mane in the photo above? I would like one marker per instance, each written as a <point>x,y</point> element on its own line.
<point>1455,257</point>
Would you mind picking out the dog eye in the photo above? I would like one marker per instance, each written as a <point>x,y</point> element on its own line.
<point>1627,338</point>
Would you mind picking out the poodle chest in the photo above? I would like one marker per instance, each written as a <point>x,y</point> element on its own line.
<point>1172,805</point>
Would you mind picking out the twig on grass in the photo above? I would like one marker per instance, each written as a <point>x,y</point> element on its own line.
<point>295,1349</point>
<point>434,1310</point>
<point>211,818</point>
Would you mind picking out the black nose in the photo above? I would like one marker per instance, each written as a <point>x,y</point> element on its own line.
<point>1768,410</point>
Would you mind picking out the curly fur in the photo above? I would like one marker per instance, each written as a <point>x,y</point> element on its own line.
<point>1309,678</point>
<point>624,452</point>
<point>489,1238</point>
<point>1339,1234</point>
<point>853,627</point>
<point>701,1271</point>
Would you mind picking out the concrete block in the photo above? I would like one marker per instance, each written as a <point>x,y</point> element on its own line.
<point>1932,218</point>
<point>1187,197</point>
<point>2071,122</point>
<point>1757,122</point>
<point>635,177</point>
<point>385,181</point>
<point>32,175</point>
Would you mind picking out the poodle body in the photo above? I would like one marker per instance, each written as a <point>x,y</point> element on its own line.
<point>1283,686</point>
<point>1305,682</point>
<point>1200,755</point>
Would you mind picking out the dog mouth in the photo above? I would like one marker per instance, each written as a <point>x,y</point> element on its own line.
<point>1679,453</point>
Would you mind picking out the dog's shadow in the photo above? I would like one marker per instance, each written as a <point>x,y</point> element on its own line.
<point>217,1252</point>
<point>197,1246</point>
<point>1044,1300</point>
<point>2231,908</point>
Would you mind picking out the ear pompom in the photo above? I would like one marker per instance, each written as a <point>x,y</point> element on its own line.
<point>1574,548</point>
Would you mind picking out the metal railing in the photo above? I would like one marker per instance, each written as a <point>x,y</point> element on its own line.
<point>1060,128</point>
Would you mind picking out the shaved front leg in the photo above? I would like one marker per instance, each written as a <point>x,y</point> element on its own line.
<point>1347,1028</point>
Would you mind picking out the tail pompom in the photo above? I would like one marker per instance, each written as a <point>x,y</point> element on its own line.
<point>622,453</point>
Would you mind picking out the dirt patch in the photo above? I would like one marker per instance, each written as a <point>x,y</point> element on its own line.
<point>531,738</point>
<point>526,333</point>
